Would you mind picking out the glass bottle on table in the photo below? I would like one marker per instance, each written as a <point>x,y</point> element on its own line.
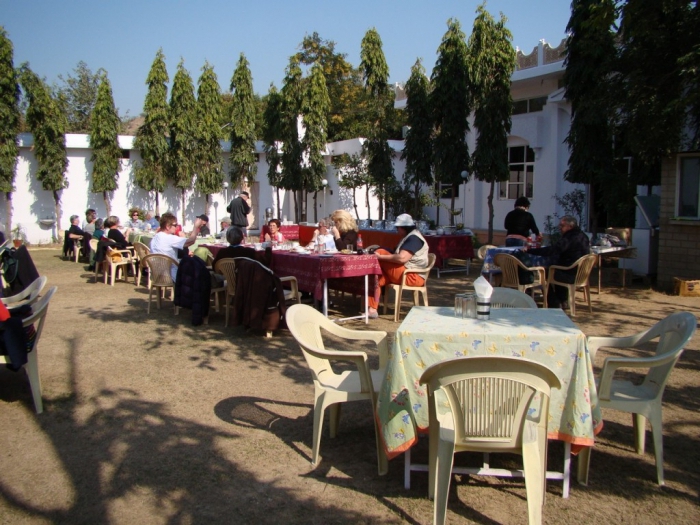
<point>360,244</point>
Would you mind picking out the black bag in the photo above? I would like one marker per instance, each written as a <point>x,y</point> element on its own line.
<point>10,267</point>
<point>18,269</point>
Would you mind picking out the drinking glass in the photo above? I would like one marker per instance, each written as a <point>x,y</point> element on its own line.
<point>459,305</point>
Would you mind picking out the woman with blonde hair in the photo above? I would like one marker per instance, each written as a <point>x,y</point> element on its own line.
<point>344,230</point>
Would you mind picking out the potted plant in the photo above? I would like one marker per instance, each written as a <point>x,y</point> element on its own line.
<point>19,236</point>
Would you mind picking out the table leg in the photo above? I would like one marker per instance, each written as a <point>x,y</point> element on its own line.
<point>325,297</point>
<point>599,269</point>
<point>567,470</point>
<point>366,299</point>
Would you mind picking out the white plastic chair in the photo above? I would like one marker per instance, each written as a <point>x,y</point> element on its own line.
<point>509,275</point>
<point>330,388</point>
<point>584,267</point>
<point>490,404</point>
<point>27,296</point>
<point>510,298</point>
<point>399,288</point>
<point>37,318</point>
<point>118,265</point>
<point>643,401</point>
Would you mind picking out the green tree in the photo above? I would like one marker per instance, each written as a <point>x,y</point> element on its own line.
<point>493,61</point>
<point>47,123</point>
<point>375,73</point>
<point>208,160</point>
<point>417,151</point>
<point>104,141</point>
<point>243,160</point>
<point>273,133</point>
<point>353,175</point>
<point>451,103</point>
<point>315,109</point>
<point>590,64</point>
<point>77,96</point>
<point>292,150</point>
<point>9,121</point>
<point>344,85</point>
<point>183,136</point>
<point>151,137</point>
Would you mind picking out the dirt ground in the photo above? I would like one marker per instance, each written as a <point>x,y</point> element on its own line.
<point>151,420</point>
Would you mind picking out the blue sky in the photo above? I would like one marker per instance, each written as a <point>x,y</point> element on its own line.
<point>123,37</point>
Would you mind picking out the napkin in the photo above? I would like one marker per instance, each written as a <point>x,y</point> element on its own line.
<point>483,288</point>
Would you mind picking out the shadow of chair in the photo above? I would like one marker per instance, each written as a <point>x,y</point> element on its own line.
<point>510,276</point>
<point>159,270</point>
<point>331,388</point>
<point>495,404</point>
<point>584,267</point>
<point>39,310</point>
<point>400,288</point>
<point>643,400</point>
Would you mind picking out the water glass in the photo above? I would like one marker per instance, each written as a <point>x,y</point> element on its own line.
<point>469,306</point>
<point>460,302</point>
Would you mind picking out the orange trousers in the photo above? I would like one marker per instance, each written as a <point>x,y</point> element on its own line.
<point>391,274</point>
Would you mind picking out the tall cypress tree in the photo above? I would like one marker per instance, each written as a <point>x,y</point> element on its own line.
<point>242,161</point>
<point>375,73</point>
<point>183,142</point>
<point>272,135</point>
<point>493,61</point>
<point>316,107</point>
<point>292,151</point>
<point>48,125</point>
<point>104,141</point>
<point>151,137</point>
<point>451,102</point>
<point>9,122</point>
<point>417,151</point>
<point>208,161</point>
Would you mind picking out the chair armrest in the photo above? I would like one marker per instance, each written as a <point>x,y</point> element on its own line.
<point>378,337</point>
<point>359,359</point>
<point>294,285</point>
<point>612,364</point>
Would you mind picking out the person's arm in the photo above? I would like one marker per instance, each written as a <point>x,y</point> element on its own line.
<point>267,237</point>
<point>195,231</point>
<point>246,205</point>
<point>400,258</point>
<point>533,227</point>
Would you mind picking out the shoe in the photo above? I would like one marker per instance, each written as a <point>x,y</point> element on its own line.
<point>565,305</point>
<point>372,314</point>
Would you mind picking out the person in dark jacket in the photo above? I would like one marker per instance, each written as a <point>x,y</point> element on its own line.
<point>76,232</point>
<point>234,236</point>
<point>572,245</point>
<point>193,288</point>
<point>519,223</point>
<point>239,208</point>
<point>345,230</point>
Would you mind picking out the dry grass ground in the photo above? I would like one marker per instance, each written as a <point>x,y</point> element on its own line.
<point>151,420</point>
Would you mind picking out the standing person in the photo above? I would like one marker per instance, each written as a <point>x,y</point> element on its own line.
<point>411,253</point>
<point>572,245</point>
<point>519,223</point>
<point>239,208</point>
<point>89,222</point>
<point>344,230</point>
<point>166,242</point>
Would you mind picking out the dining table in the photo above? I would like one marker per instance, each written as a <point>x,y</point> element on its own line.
<point>429,335</point>
<point>623,252</point>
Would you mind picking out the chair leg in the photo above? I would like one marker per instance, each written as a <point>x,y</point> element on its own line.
<point>150,296</point>
<point>228,302</point>
<point>319,407</point>
<point>572,300</point>
<point>334,410</point>
<point>160,291</point>
<point>658,435</point>
<point>424,291</point>
<point>398,294</point>
<point>534,470</point>
<point>584,465</point>
<point>443,476</point>
<point>386,297</point>
<point>32,368</point>
<point>587,296</point>
<point>639,425</point>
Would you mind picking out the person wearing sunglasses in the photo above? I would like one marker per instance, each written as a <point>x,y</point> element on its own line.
<point>134,222</point>
<point>167,242</point>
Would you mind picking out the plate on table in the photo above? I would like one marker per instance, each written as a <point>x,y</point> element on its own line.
<point>326,255</point>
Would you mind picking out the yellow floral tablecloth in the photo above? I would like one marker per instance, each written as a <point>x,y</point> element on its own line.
<point>429,335</point>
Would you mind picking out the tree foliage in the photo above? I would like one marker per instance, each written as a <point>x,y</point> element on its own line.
<point>104,141</point>
<point>492,60</point>
<point>451,102</point>
<point>417,151</point>
<point>353,175</point>
<point>272,136</point>
<point>47,123</point>
<point>77,96</point>
<point>315,109</point>
<point>183,136</point>
<point>9,115</point>
<point>208,160</point>
<point>243,160</point>
<point>151,138</point>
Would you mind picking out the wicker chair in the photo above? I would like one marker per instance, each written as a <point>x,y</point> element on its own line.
<point>141,251</point>
<point>509,267</point>
<point>159,271</point>
<point>227,268</point>
<point>584,268</point>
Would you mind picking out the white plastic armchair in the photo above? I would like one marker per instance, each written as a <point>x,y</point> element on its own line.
<point>643,401</point>
<point>509,277</point>
<point>331,388</point>
<point>510,298</point>
<point>583,266</point>
<point>399,288</point>
<point>490,402</point>
<point>27,296</point>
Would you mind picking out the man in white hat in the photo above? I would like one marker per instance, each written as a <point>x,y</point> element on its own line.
<point>411,253</point>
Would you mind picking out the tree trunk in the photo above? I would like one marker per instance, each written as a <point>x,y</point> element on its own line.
<point>417,202</point>
<point>380,187</point>
<point>279,206</point>
<point>108,204</point>
<point>452,205</point>
<point>8,212</point>
<point>207,204</point>
<point>369,211</point>
<point>296,207</point>
<point>157,203</point>
<point>354,203</point>
<point>57,203</point>
<point>490,203</point>
<point>316,207</point>
<point>183,208</point>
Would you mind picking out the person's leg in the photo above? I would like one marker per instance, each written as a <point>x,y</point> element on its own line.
<point>561,293</point>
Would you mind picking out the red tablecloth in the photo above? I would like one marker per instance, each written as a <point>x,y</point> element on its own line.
<point>312,270</point>
<point>290,232</point>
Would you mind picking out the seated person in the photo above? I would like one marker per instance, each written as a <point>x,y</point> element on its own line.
<point>344,230</point>
<point>572,245</point>
<point>234,236</point>
<point>114,227</point>
<point>323,235</point>
<point>134,223</point>
<point>204,230</point>
<point>75,233</point>
<point>225,223</point>
<point>411,253</point>
<point>89,222</point>
<point>167,243</point>
<point>275,233</point>
<point>151,220</point>
<point>99,229</point>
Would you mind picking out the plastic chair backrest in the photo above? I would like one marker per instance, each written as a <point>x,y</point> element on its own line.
<point>141,250</point>
<point>38,316</point>
<point>28,295</point>
<point>227,268</point>
<point>585,266</point>
<point>511,298</point>
<point>481,252</point>
<point>159,265</point>
<point>509,268</point>
<point>490,397</point>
